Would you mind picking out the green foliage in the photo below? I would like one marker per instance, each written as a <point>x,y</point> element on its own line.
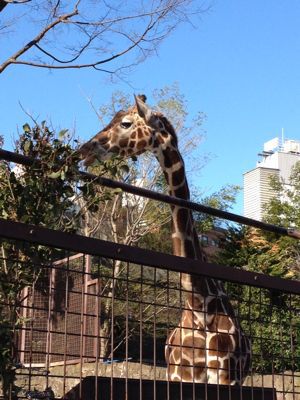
<point>158,240</point>
<point>40,194</point>
<point>222,200</point>
<point>237,248</point>
<point>275,321</point>
<point>283,209</point>
<point>270,318</point>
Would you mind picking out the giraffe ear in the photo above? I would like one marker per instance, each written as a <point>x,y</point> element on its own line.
<point>142,108</point>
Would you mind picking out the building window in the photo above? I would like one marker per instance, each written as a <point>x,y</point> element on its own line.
<point>204,240</point>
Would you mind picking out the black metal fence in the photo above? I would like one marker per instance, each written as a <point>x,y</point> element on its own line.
<point>94,322</point>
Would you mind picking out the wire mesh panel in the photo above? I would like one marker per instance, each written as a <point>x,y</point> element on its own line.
<point>34,311</point>
<point>67,309</point>
<point>94,326</point>
<point>54,313</point>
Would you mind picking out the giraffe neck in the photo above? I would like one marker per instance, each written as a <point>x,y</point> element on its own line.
<point>184,237</point>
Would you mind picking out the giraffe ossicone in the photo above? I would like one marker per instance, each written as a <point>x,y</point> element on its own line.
<point>208,345</point>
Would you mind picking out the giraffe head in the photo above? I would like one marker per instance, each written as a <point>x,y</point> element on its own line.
<point>130,133</point>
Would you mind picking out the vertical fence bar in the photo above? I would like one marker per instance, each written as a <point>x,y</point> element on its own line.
<point>66,314</point>
<point>168,327</point>
<point>154,334</point>
<point>292,349</point>
<point>32,319</point>
<point>51,274</point>
<point>141,331</point>
<point>82,318</point>
<point>126,329</point>
<point>98,322</point>
<point>112,333</point>
<point>251,335</point>
<point>24,311</point>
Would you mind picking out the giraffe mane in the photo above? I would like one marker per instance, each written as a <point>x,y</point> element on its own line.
<point>168,126</point>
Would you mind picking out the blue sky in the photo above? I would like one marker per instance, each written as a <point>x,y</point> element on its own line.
<point>240,66</point>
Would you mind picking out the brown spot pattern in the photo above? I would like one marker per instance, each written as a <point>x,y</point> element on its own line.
<point>114,149</point>
<point>140,133</point>
<point>215,306</point>
<point>221,322</point>
<point>214,364</point>
<point>182,192</point>
<point>189,248</point>
<point>123,142</point>
<point>219,344</point>
<point>186,373</point>
<point>102,138</point>
<point>171,157</point>
<point>182,219</point>
<point>178,177</point>
<point>194,342</point>
<point>141,145</point>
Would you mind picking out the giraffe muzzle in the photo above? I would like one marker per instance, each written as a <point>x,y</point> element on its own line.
<point>91,151</point>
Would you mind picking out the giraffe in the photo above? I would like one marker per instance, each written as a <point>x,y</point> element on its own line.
<point>208,345</point>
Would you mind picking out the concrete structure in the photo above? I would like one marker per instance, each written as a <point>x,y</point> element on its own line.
<point>277,159</point>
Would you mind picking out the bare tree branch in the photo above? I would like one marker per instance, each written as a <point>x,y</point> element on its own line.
<point>14,58</point>
<point>101,36</point>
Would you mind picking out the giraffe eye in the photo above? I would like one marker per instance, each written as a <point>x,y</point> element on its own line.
<point>125,124</point>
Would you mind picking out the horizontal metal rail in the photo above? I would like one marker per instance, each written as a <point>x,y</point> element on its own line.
<point>77,243</point>
<point>291,232</point>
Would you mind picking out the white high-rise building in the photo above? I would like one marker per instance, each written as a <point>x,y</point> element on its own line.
<point>277,159</point>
